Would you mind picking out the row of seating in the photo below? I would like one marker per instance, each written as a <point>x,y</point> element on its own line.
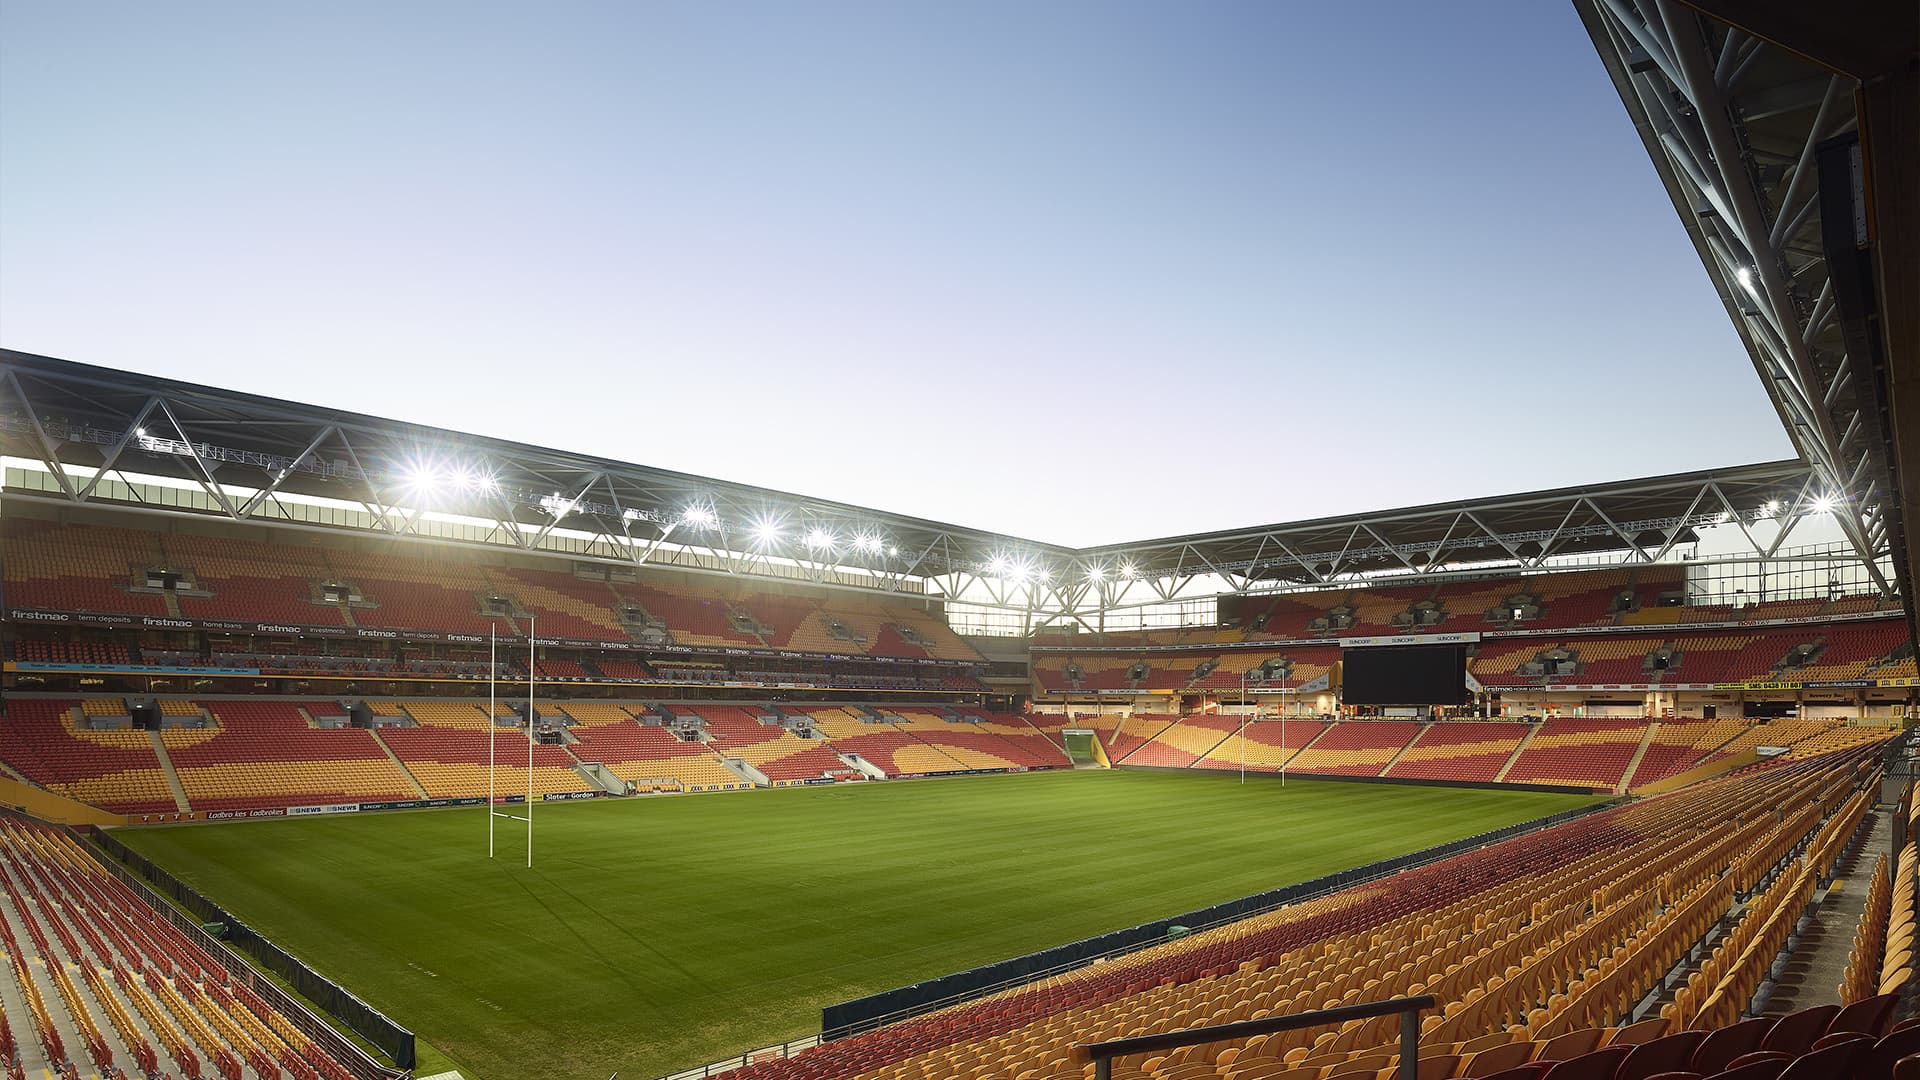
<point>79,918</point>
<point>1566,751</point>
<point>92,569</point>
<point>1839,651</point>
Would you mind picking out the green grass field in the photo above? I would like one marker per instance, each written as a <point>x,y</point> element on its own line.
<point>655,935</point>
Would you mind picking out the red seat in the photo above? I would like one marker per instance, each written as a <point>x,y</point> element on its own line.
<point>1868,1016</point>
<point>1661,1055</point>
<point>1795,1032</point>
<point>1836,1060</point>
<point>1529,1071</point>
<point>1766,1069</point>
<point>1721,1046</point>
<point>1898,1043</point>
<point>1599,1064</point>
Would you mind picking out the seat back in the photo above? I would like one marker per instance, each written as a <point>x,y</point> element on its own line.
<point>1669,1054</point>
<point>1868,1016</point>
<point>1794,1032</point>
<point>1837,1060</point>
<point>1722,1045</point>
<point>1594,1065</point>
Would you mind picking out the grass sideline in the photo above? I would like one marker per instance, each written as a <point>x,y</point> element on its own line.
<point>656,935</point>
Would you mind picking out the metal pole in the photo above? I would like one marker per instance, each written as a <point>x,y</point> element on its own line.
<point>1410,1044</point>
<point>1243,727</point>
<point>530,714</point>
<point>493,647</point>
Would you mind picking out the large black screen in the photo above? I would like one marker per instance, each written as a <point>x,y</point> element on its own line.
<point>1405,675</point>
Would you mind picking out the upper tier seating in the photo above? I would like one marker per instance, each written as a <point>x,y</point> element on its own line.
<point>254,581</point>
<point>78,567</point>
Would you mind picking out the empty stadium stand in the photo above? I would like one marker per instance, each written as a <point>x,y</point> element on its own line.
<point>1542,949</point>
<point>104,977</point>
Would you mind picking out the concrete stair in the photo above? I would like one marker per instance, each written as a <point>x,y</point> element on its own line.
<point>1633,766</point>
<point>412,782</point>
<point>167,770</point>
<point>1501,776</point>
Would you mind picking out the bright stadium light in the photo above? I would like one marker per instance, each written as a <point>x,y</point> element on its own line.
<point>700,517</point>
<point>1096,574</point>
<point>998,566</point>
<point>867,542</point>
<point>1825,504</point>
<point>1773,506</point>
<point>820,540</point>
<point>893,552</point>
<point>423,477</point>
<point>1127,571</point>
<point>766,532</point>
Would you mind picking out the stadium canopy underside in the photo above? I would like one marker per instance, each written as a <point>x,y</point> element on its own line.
<point>89,435</point>
<point>1788,137</point>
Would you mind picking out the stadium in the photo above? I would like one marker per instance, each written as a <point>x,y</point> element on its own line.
<point>343,747</point>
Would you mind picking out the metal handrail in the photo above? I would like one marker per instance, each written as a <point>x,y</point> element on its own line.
<point>1409,1008</point>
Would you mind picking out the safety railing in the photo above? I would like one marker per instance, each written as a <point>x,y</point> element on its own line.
<point>1409,1008</point>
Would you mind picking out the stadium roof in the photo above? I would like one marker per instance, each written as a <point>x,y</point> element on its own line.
<point>245,452</point>
<point>1788,137</point>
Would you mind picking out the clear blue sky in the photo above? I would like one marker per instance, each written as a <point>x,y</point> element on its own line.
<point>1083,272</point>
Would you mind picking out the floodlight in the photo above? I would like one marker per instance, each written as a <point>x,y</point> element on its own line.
<point>1773,506</point>
<point>818,539</point>
<point>1824,504</point>
<point>998,565</point>
<point>141,432</point>
<point>766,531</point>
<point>1095,574</point>
<point>1127,571</point>
<point>700,517</point>
<point>423,477</point>
<point>867,542</point>
<point>893,552</point>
